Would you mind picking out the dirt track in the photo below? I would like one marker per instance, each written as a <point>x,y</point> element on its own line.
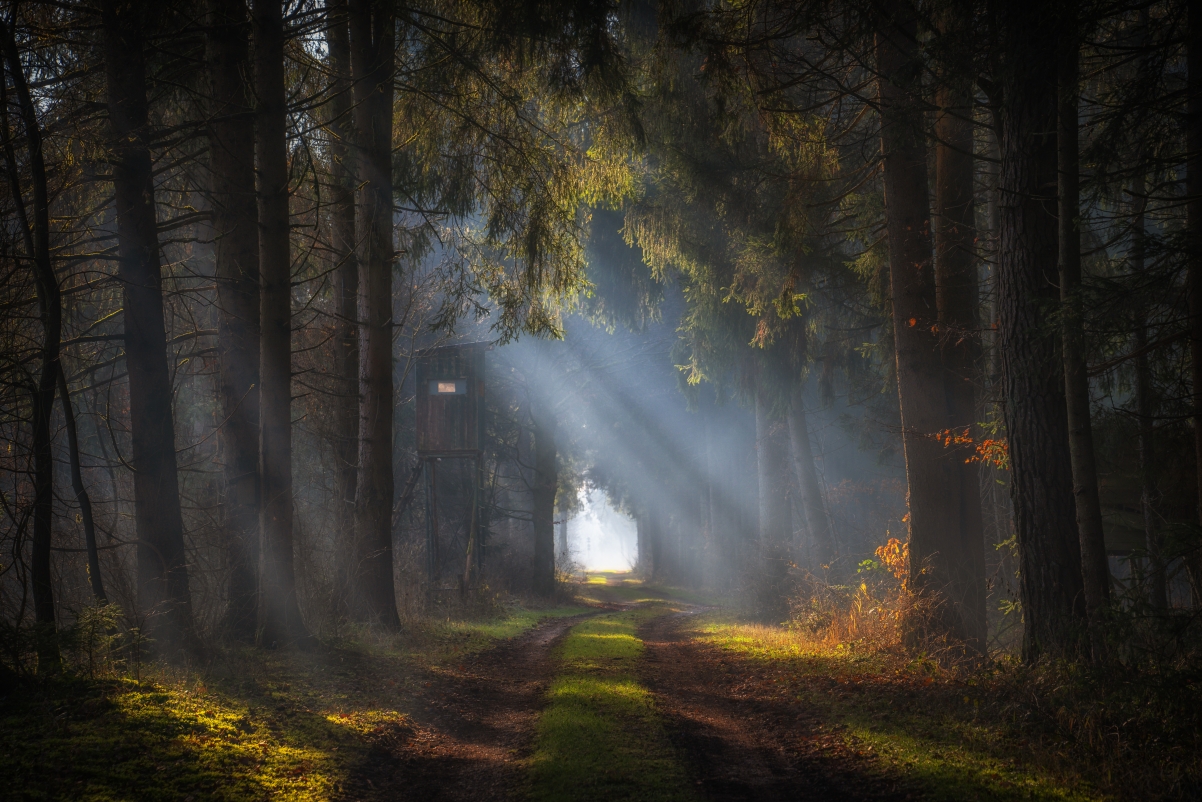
<point>740,739</point>
<point>473,724</point>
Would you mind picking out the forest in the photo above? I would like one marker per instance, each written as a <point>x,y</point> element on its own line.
<point>601,399</point>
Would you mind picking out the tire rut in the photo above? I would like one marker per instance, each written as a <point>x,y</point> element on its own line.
<point>743,742</point>
<point>471,726</point>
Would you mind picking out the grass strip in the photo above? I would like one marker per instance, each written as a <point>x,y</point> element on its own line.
<point>600,738</point>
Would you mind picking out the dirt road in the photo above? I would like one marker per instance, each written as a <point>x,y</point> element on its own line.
<point>739,739</point>
<point>473,724</point>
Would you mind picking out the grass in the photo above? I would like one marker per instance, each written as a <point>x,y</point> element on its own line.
<point>937,729</point>
<point>599,737</point>
<point>252,725</point>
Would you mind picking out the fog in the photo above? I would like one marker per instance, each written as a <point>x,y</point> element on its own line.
<point>599,537</point>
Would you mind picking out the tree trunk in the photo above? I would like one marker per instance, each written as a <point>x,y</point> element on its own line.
<point>563,536</point>
<point>1032,367</point>
<point>1095,572</point>
<point>36,233</point>
<point>346,294</point>
<point>280,617</point>
<point>1193,233</point>
<point>372,37</point>
<point>163,594</point>
<point>932,473</point>
<point>770,470</point>
<point>958,300</point>
<point>817,521</point>
<point>81,493</point>
<point>236,252</point>
<point>546,480</point>
<point>1145,411</point>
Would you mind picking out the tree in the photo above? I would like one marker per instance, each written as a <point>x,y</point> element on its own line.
<point>280,616</point>
<point>1095,572</point>
<point>372,46</point>
<point>933,476</point>
<point>1032,367</point>
<point>1193,255</point>
<point>346,291</point>
<point>958,301</point>
<point>36,235</point>
<point>163,594</point>
<point>235,220</point>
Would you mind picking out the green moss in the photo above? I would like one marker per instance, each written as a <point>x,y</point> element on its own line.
<point>600,738</point>
<point>916,724</point>
<point>260,724</point>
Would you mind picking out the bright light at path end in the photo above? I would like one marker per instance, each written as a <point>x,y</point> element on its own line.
<point>601,538</point>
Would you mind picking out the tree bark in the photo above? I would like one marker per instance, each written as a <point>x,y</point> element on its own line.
<point>817,521</point>
<point>932,473</point>
<point>236,252</point>
<point>1095,572</point>
<point>163,595</point>
<point>1193,234</point>
<point>563,536</point>
<point>346,294</point>
<point>372,39</point>
<point>279,611</point>
<point>958,301</point>
<point>1145,411</point>
<point>770,470</point>
<point>81,493</point>
<point>546,480</point>
<point>1032,367</point>
<point>36,234</point>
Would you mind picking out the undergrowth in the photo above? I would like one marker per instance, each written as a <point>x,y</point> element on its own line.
<point>1002,730</point>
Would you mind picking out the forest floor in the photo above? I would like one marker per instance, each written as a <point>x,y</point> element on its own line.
<point>634,693</point>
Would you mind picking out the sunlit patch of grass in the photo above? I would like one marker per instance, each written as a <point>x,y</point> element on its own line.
<point>916,720</point>
<point>600,738</point>
<point>124,740</point>
<point>256,724</point>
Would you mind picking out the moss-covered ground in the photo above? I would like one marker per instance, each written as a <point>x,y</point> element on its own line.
<point>252,725</point>
<point>599,737</point>
<point>950,734</point>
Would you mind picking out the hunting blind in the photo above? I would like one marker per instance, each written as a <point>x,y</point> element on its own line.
<point>450,425</point>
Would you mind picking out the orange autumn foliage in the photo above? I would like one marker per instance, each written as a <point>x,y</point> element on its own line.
<point>895,556</point>
<point>993,451</point>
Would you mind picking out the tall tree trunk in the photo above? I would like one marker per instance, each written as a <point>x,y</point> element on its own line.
<point>236,252</point>
<point>770,470</point>
<point>546,480</point>
<point>280,616</point>
<point>163,594</point>
<point>958,300</point>
<point>1032,367</point>
<point>1095,572</point>
<point>1145,410</point>
<point>346,293</point>
<point>643,545</point>
<point>932,474</point>
<point>563,536</point>
<point>81,493</point>
<point>1193,235</point>
<point>36,233</point>
<point>817,521</point>
<point>372,39</point>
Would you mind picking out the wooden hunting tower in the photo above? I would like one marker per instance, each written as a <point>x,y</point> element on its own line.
<point>450,425</point>
<point>450,400</point>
